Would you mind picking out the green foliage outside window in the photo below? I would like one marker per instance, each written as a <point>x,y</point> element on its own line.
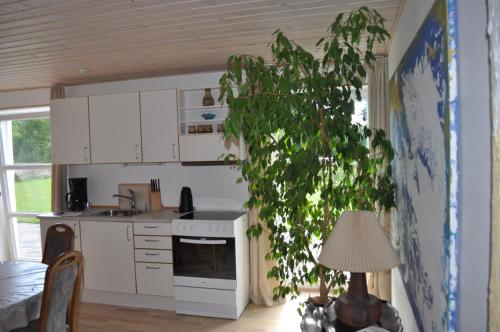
<point>31,141</point>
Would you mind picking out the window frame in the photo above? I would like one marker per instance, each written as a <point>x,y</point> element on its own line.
<point>26,113</point>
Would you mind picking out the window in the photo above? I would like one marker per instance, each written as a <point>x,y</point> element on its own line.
<point>25,164</point>
<point>361,108</point>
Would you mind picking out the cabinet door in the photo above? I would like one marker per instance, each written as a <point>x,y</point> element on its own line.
<point>206,147</point>
<point>159,126</point>
<point>115,131</point>
<point>155,279</point>
<point>74,224</point>
<point>108,250</point>
<point>70,131</point>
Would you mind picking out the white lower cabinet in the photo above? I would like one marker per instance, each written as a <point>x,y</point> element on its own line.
<point>108,250</point>
<point>155,279</point>
<point>153,259</point>
<point>113,264</point>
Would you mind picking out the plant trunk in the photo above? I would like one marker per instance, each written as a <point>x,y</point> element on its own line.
<point>323,290</point>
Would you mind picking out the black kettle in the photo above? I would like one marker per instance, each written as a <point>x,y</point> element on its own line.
<point>186,200</point>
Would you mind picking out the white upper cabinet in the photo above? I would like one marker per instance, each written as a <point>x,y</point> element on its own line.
<point>70,131</point>
<point>159,126</point>
<point>115,130</point>
<point>199,148</point>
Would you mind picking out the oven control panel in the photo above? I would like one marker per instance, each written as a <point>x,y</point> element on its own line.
<point>202,228</point>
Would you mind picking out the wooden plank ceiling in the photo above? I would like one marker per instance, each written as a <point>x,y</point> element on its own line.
<point>46,42</point>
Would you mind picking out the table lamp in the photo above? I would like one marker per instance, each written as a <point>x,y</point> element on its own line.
<point>358,244</point>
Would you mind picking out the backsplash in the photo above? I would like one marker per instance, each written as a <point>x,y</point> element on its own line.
<point>213,187</point>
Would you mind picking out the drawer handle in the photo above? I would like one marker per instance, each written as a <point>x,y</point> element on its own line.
<point>148,240</point>
<point>151,226</point>
<point>152,254</point>
<point>152,267</point>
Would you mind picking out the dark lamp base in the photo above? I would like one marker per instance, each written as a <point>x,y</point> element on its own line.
<point>356,307</point>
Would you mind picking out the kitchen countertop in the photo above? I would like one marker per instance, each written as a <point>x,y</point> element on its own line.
<point>164,215</point>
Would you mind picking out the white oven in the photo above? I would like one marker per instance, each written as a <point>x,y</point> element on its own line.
<point>204,261</point>
<point>210,253</point>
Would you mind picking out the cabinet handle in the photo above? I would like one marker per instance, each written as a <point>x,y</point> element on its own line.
<point>137,151</point>
<point>148,240</point>
<point>151,226</point>
<point>152,254</point>
<point>173,150</point>
<point>85,153</point>
<point>152,267</point>
<point>128,233</point>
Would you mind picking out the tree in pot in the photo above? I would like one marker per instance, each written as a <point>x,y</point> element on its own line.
<point>307,161</point>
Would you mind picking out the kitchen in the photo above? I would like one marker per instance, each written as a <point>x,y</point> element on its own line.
<point>118,102</point>
<point>145,254</point>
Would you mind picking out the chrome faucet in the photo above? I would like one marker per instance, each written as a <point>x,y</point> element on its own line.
<point>131,198</point>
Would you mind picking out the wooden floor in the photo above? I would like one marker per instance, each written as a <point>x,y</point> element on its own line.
<point>100,318</point>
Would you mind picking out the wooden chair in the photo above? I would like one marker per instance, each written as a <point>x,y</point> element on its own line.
<point>59,239</point>
<point>61,296</point>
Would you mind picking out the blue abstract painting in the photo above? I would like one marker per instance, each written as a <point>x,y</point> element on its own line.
<point>424,131</point>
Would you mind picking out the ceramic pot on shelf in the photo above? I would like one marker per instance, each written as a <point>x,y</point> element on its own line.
<point>208,100</point>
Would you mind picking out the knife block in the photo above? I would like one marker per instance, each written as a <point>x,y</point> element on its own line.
<point>155,201</point>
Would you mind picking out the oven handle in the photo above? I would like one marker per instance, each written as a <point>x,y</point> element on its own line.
<point>202,241</point>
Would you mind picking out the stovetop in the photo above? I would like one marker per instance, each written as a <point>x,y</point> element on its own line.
<point>213,215</point>
<point>209,223</point>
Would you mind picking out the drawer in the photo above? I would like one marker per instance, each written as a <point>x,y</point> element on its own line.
<point>153,256</point>
<point>155,279</point>
<point>205,295</point>
<point>157,229</point>
<point>153,242</point>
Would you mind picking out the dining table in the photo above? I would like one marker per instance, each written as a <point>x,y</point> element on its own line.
<point>21,291</point>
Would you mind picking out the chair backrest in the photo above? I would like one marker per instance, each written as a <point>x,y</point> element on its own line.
<point>61,294</point>
<point>59,239</point>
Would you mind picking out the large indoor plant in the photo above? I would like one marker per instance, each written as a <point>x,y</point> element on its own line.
<point>307,161</point>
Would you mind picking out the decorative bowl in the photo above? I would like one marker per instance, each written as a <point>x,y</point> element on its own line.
<point>208,116</point>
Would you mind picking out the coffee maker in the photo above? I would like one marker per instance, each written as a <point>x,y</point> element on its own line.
<point>76,198</point>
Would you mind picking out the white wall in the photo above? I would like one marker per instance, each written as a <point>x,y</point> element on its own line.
<point>474,158</point>
<point>212,186</point>
<point>192,81</point>
<point>475,165</point>
<point>24,98</point>
<point>412,17</point>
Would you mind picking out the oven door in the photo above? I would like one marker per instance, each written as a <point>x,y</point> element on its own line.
<point>204,262</point>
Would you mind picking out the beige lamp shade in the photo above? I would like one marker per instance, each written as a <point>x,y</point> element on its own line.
<point>358,244</point>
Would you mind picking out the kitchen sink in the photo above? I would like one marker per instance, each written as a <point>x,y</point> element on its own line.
<point>120,213</point>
